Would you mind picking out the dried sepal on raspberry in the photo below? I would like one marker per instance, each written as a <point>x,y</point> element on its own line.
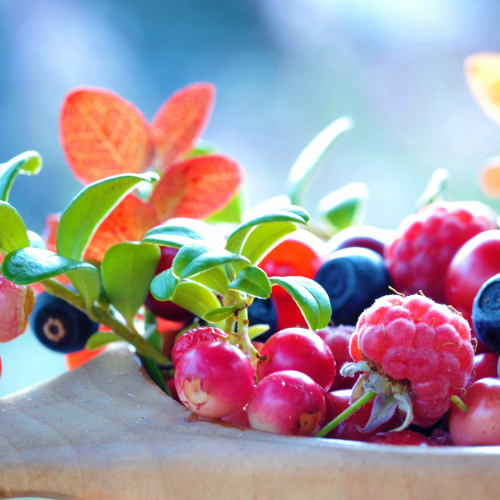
<point>414,354</point>
<point>16,304</point>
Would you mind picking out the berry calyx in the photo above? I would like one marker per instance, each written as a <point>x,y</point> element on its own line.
<point>415,354</point>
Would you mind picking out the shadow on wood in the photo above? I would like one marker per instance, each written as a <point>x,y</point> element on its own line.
<point>104,432</point>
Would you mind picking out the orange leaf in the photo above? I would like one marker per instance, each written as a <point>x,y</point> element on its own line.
<point>489,177</point>
<point>129,221</point>
<point>50,231</point>
<point>482,72</point>
<point>102,134</point>
<point>196,187</point>
<point>180,120</point>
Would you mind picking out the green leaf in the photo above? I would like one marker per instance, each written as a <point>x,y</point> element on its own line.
<point>89,208</point>
<point>203,148</point>
<point>253,281</point>
<point>152,368</point>
<point>310,297</point>
<point>87,283</point>
<point>346,206</point>
<point>30,265</point>
<point>215,279</point>
<point>219,314</point>
<point>36,240</point>
<point>256,330</point>
<point>127,270</point>
<point>29,163</point>
<point>100,339</point>
<point>293,214</point>
<point>312,158</point>
<point>178,232</point>
<point>263,238</point>
<point>163,285</point>
<point>13,233</point>
<point>435,187</point>
<point>199,257</point>
<point>195,298</point>
<point>231,213</point>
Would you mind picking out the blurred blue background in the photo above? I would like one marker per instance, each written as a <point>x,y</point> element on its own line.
<point>284,69</point>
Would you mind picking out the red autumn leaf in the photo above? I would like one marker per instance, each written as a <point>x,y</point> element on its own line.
<point>50,231</point>
<point>102,134</point>
<point>489,177</point>
<point>129,221</point>
<point>181,120</point>
<point>196,187</point>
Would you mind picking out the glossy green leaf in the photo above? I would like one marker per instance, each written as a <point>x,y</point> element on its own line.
<point>312,158</point>
<point>29,163</point>
<point>89,208</point>
<point>256,330</point>
<point>293,214</point>
<point>100,339</point>
<point>127,270</point>
<point>178,232</point>
<point>199,257</point>
<point>231,213</point>
<point>195,298</point>
<point>346,206</point>
<point>163,285</point>
<point>219,314</point>
<point>203,148</point>
<point>30,265</point>
<point>215,279</point>
<point>252,281</point>
<point>13,233</point>
<point>36,240</point>
<point>310,297</point>
<point>435,187</point>
<point>88,284</point>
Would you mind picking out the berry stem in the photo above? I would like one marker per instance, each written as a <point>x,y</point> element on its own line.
<point>346,413</point>
<point>144,348</point>
<point>456,400</point>
<point>246,345</point>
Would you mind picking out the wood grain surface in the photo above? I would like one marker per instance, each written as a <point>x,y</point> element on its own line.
<point>104,432</point>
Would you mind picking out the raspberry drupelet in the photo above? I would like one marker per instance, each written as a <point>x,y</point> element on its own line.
<point>415,354</point>
<point>419,256</point>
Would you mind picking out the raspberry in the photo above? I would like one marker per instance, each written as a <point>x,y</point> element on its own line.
<point>426,242</point>
<point>16,304</point>
<point>194,337</point>
<point>414,353</point>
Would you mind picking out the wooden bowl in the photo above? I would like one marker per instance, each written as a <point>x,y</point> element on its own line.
<point>105,432</point>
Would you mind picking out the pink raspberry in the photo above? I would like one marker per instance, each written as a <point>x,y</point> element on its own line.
<point>426,242</point>
<point>415,349</point>
<point>16,304</point>
<point>194,337</point>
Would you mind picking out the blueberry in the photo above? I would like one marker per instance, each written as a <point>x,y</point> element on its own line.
<point>486,313</point>
<point>263,312</point>
<point>59,325</point>
<point>353,278</point>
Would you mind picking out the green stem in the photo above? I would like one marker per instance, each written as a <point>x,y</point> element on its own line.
<point>346,413</point>
<point>459,403</point>
<point>144,348</point>
<point>246,345</point>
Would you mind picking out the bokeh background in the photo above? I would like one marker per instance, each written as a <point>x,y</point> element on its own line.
<point>284,69</point>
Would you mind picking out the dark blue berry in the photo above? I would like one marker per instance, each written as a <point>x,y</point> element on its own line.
<point>486,313</point>
<point>353,278</point>
<point>263,312</point>
<point>59,325</point>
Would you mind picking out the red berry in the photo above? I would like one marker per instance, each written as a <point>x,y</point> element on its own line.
<point>441,438</point>
<point>349,429</point>
<point>288,403</point>
<point>337,339</point>
<point>239,417</point>
<point>214,379</point>
<point>476,262</point>
<point>300,350</point>
<point>402,438</point>
<point>480,426</point>
<point>16,304</point>
<point>194,337</point>
<point>419,256</point>
<point>167,309</point>
<point>370,237</point>
<point>288,312</point>
<point>415,348</point>
<point>485,366</point>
